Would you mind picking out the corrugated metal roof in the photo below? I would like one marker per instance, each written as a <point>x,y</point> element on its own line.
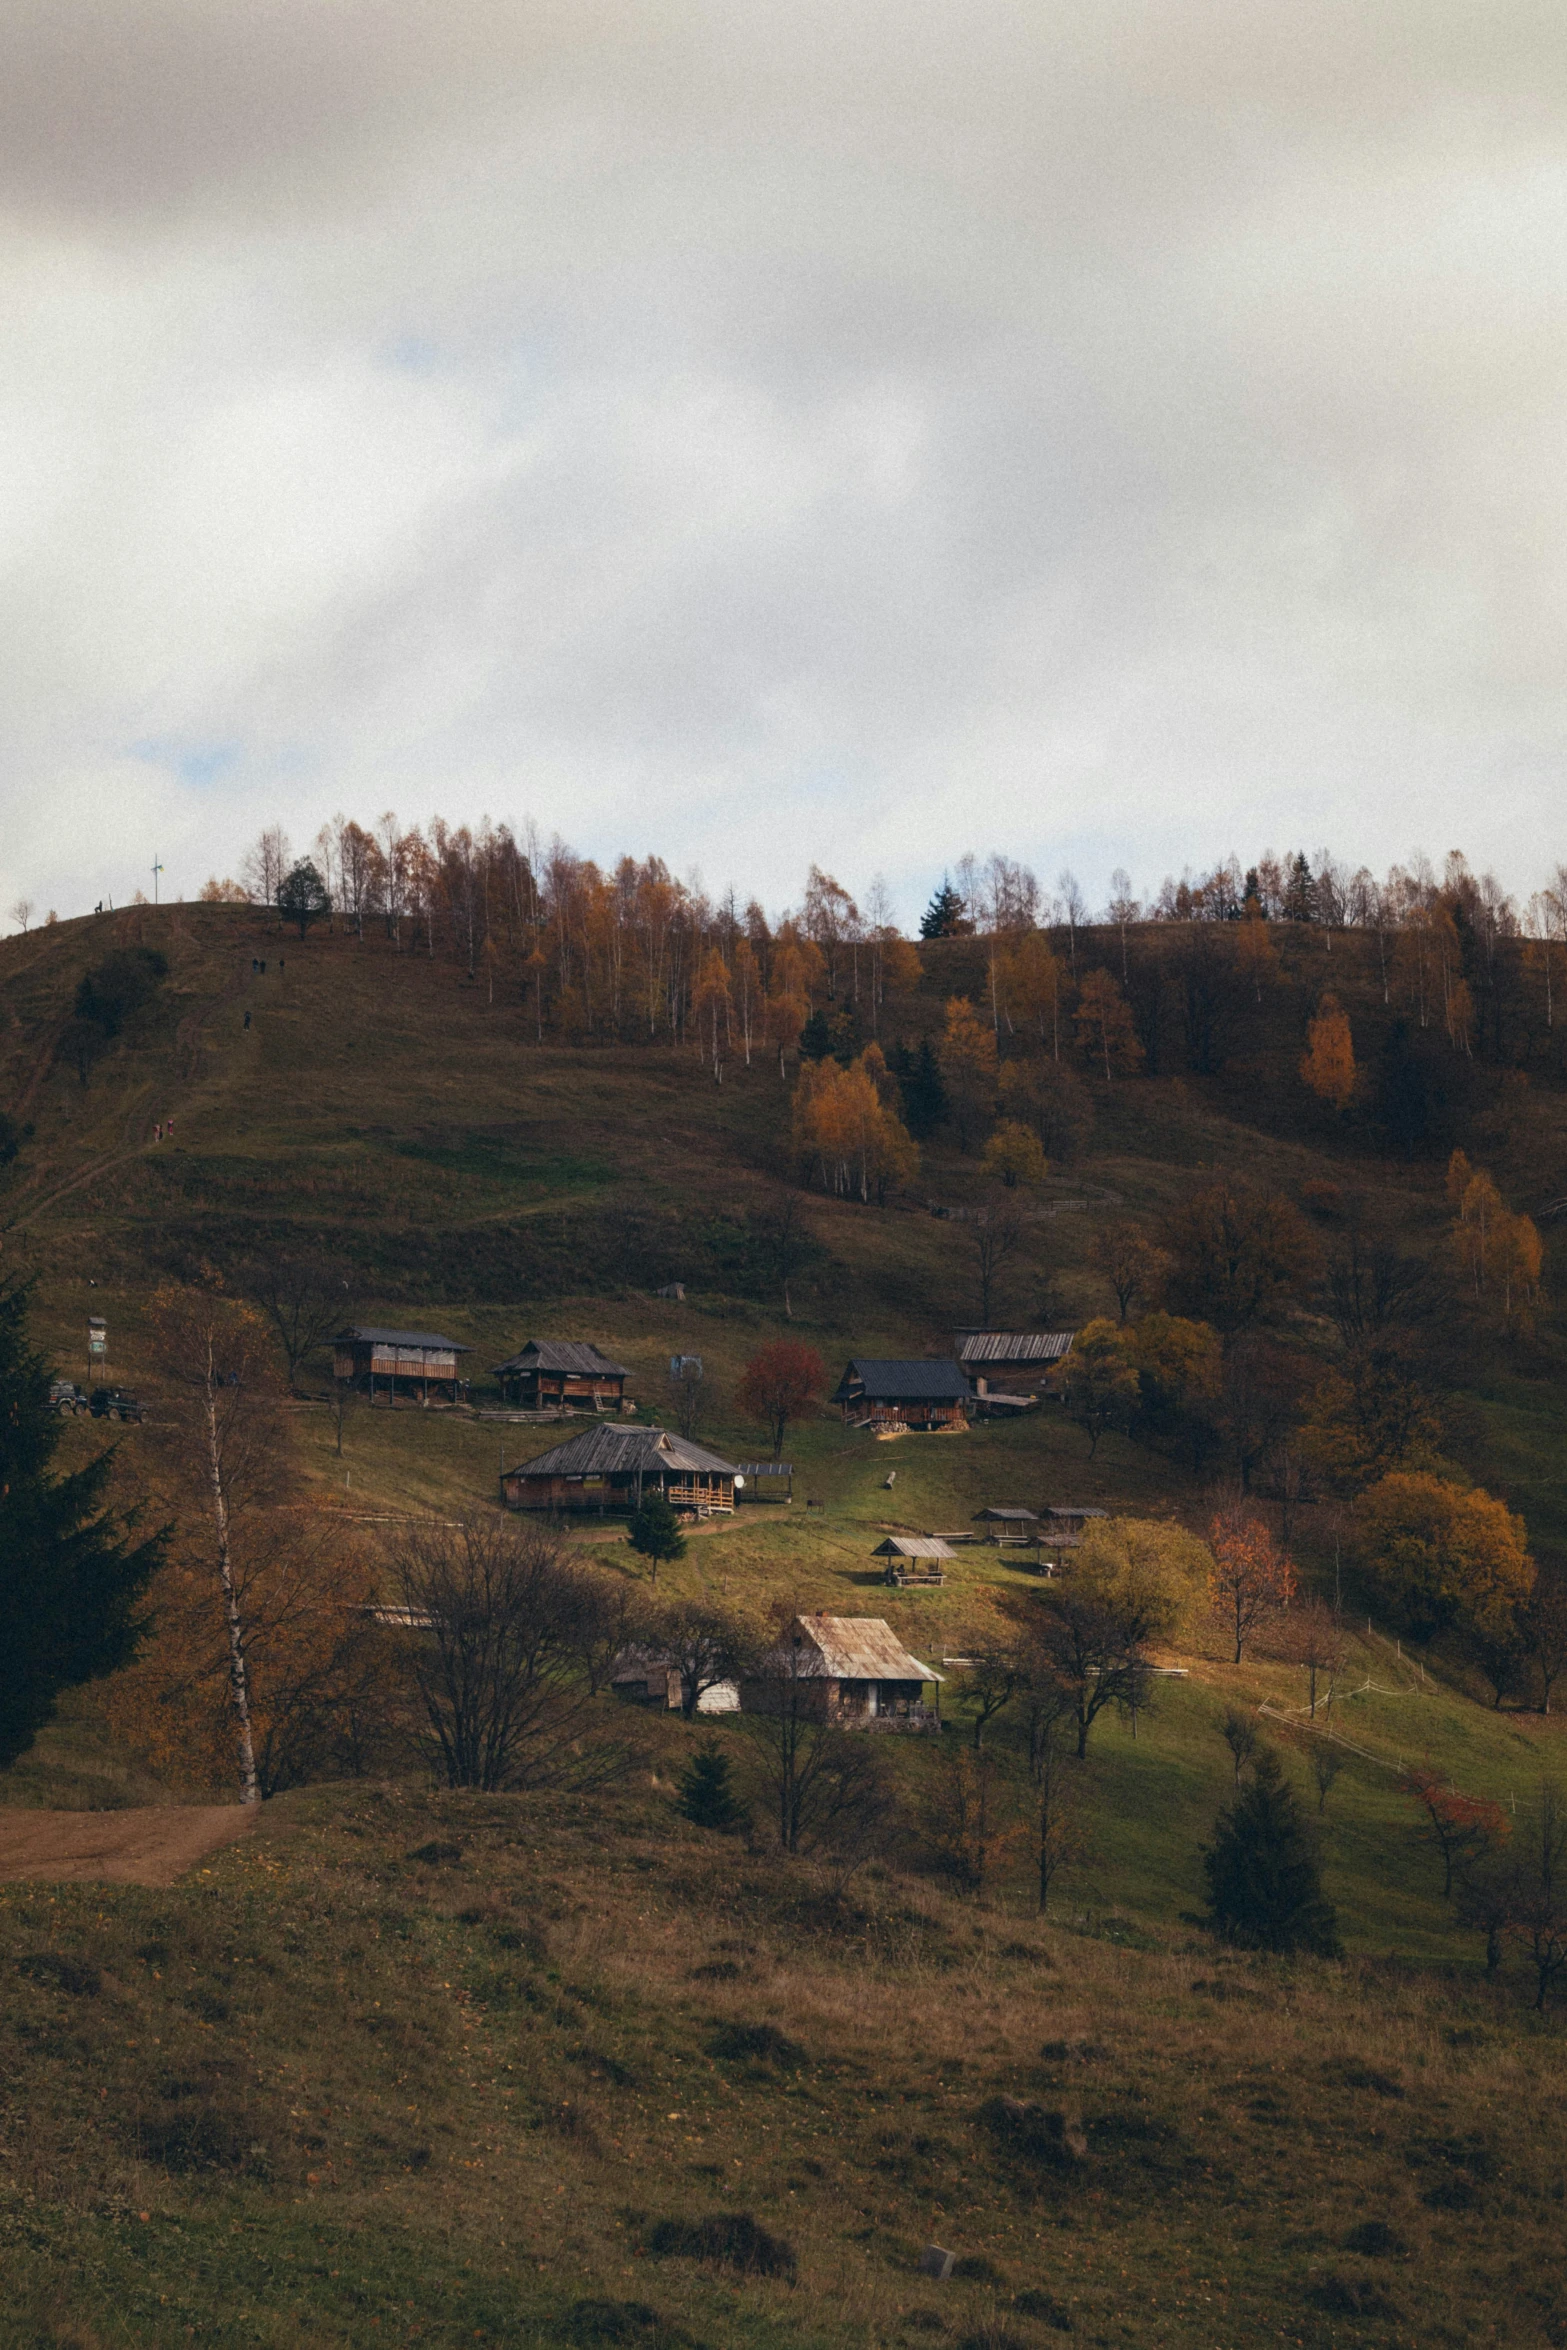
<point>861,1648</point>
<point>563,1354</point>
<point>1009,1515</point>
<point>367,1335</point>
<point>765,1468</point>
<point>601,1451</point>
<point>911,1546</point>
<point>1015,1346</point>
<point>1066,1511</point>
<point>884,1380</point>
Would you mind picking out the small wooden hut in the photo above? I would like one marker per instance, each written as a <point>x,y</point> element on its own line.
<point>851,1670</point>
<point>383,1362</point>
<point>611,1469</point>
<point>562,1374</point>
<point>919,1394</point>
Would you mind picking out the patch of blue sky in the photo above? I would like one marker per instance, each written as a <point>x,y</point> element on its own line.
<point>197,763</point>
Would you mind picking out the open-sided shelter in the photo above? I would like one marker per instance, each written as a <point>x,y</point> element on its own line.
<point>562,1374</point>
<point>610,1468</point>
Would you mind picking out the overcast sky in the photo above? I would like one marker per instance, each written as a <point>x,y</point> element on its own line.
<point>1112,434</point>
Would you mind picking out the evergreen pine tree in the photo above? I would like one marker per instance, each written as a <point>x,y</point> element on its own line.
<point>1300,893</point>
<point>816,1038</point>
<point>655,1532</point>
<point>943,917</point>
<point>925,1096</point>
<point>70,1576</point>
<point>706,1797</point>
<point>1264,1888</point>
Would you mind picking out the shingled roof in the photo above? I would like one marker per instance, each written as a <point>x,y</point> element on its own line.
<point>621,1452</point>
<point>574,1355</point>
<point>858,1648</point>
<point>366,1334</point>
<point>1014,1346</point>
<point>884,1380</point>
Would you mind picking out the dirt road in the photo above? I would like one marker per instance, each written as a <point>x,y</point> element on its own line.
<point>150,1847</point>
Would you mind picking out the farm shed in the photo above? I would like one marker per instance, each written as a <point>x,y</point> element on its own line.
<point>1008,1367</point>
<point>851,1670</point>
<point>1063,1526</point>
<point>921,1394</point>
<point>386,1358</point>
<point>645,1676</point>
<point>562,1374</point>
<point>611,1469</point>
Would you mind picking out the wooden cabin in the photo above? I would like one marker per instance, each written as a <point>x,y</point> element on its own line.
<point>875,1391</point>
<point>385,1362</point>
<point>611,1469</point>
<point>850,1670</point>
<point>1007,1522</point>
<point>1063,1525</point>
<point>563,1375</point>
<point>1009,1367</point>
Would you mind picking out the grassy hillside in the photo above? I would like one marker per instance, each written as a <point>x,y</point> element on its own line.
<point>363,2095</point>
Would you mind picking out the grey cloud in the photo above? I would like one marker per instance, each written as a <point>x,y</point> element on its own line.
<point>858,432</point>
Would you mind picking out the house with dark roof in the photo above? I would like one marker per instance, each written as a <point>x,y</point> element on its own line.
<point>562,1374</point>
<point>612,1469</point>
<point>382,1361</point>
<point>875,1390</point>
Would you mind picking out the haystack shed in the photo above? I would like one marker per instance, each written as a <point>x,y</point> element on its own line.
<point>382,1361</point>
<point>611,1469</point>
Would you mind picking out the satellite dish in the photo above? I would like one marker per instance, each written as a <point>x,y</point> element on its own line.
<point>739,1481</point>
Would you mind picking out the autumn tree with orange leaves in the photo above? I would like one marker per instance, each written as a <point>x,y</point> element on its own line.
<point>1329,1064</point>
<point>1252,1579</point>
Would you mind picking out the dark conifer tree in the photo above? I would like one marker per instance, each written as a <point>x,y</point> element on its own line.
<point>1300,893</point>
<point>71,1574</point>
<point>655,1532</point>
<point>919,1083</point>
<point>1264,1886</point>
<point>943,917</point>
<point>816,1037</point>
<point>706,1797</point>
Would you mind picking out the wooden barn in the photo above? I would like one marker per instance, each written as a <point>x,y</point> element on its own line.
<point>612,1469</point>
<point>384,1362</point>
<point>1006,1364</point>
<point>851,1670</point>
<point>646,1676</point>
<point>921,1394</point>
<point>562,1374</point>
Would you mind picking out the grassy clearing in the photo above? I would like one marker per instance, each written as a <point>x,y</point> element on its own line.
<point>435,2069</point>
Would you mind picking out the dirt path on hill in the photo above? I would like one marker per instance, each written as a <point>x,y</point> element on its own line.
<point>135,1847</point>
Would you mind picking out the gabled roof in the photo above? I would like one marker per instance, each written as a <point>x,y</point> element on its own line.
<point>1010,1516</point>
<point>911,1546</point>
<point>859,1648</point>
<point>881,1379</point>
<point>614,1451</point>
<point>1014,1346</point>
<point>369,1334</point>
<point>563,1354</point>
<point>1065,1510</point>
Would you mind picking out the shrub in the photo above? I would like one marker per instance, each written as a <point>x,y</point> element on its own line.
<point>1035,2302</point>
<point>731,2239</point>
<point>65,1974</point>
<point>1375,2239</point>
<point>1039,2133</point>
<point>756,2044</point>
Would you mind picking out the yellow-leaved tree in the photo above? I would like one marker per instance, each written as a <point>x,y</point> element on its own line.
<point>1329,1064</point>
<point>844,1132</point>
<point>1013,1155</point>
<point>966,1054</point>
<point>1104,1026</point>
